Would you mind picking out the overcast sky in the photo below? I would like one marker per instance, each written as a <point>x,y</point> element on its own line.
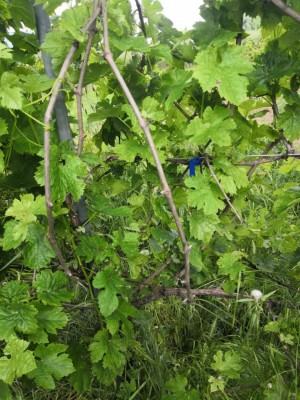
<point>183,13</point>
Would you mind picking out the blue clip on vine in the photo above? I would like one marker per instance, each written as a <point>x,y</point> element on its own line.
<point>193,163</point>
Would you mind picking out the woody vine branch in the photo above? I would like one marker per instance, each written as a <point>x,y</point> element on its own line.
<point>144,126</point>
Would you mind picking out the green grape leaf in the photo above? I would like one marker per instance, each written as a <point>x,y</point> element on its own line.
<point>35,83</point>
<point>216,384</point>
<point>112,284</point>
<point>289,121</point>
<point>110,350</point>
<point>5,392</point>
<point>201,226</point>
<point>53,363</point>
<point>57,43</point>
<point>108,302</point>
<point>91,248</point>
<point>204,194</point>
<point>14,291</point>
<point>128,149</point>
<point>121,314</point>
<point>50,5</point>
<point>224,67</point>
<point>16,317</point>
<point>74,18</point>
<point>66,170</point>
<point>130,244</point>
<point>227,183</point>
<point>150,110</point>
<point>14,234</point>
<point>161,51</point>
<point>3,127</point>
<point>105,375</point>
<point>196,257</point>
<point>272,326</point>
<point>136,200</point>
<point>228,364</point>
<point>177,387</point>
<point>288,338</point>
<point>5,52</point>
<point>239,175</point>
<point>175,82</point>
<point>10,96</point>
<point>81,378</point>
<point>51,287</point>
<point>123,211</point>
<point>26,228</point>
<point>229,265</point>
<point>49,319</point>
<point>179,197</point>
<point>27,208</point>
<point>22,11</point>
<point>104,111</point>
<point>119,14</point>
<point>99,346</point>
<point>130,43</point>
<point>126,108</point>
<point>38,251</point>
<point>215,126</point>
<point>20,361</point>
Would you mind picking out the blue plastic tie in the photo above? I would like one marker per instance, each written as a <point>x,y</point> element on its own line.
<point>193,163</point>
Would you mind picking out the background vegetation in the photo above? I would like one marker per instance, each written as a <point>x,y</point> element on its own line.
<point>124,278</point>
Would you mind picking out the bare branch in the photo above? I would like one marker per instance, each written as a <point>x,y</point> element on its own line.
<point>267,160</point>
<point>47,173</point>
<point>222,190</point>
<point>91,21</point>
<point>144,125</point>
<point>47,120</point>
<point>78,92</point>
<point>180,292</point>
<point>286,9</point>
<point>154,274</point>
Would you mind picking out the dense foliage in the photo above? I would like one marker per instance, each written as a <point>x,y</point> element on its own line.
<point>93,303</point>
